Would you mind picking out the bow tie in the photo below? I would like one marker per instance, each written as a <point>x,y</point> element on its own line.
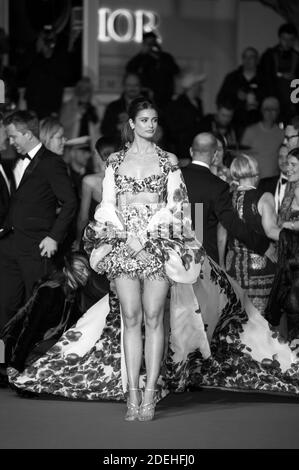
<point>23,157</point>
<point>283,181</point>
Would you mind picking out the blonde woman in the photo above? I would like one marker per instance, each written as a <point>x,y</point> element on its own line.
<point>253,272</point>
<point>51,134</point>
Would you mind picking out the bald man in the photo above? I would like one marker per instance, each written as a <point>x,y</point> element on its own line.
<point>204,187</point>
<point>264,138</point>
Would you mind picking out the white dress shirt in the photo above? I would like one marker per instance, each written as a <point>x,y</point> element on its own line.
<point>21,164</point>
<point>280,192</point>
<point>197,162</point>
<point>5,177</point>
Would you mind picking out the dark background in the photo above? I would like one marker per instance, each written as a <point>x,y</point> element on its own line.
<point>26,20</point>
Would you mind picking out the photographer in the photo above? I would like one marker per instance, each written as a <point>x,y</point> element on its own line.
<point>47,75</point>
<point>8,75</point>
<point>279,65</point>
<point>157,69</point>
<point>242,88</point>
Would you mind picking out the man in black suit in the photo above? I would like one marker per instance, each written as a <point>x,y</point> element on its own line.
<point>116,112</point>
<point>156,68</point>
<point>277,185</point>
<point>32,231</point>
<point>204,187</point>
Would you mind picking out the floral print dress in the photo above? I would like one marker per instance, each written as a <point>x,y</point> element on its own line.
<point>163,225</point>
<point>214,336</point>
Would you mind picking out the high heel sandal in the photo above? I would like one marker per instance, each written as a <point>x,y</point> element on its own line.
<point>132,413</point>
<point>147,410</point>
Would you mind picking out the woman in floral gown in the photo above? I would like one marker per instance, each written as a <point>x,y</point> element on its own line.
<point>203,332</point>
<point>137,183</point>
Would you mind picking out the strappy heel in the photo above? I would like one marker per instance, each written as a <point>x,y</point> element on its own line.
<point>147,410</point>
<point>12,372</point>
<point>132,413</point>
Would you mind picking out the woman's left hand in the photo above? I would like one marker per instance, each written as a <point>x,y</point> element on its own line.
<point>272,253</point>
<point>143,255</point>
<point>133,246</point>
<point>287,225</point>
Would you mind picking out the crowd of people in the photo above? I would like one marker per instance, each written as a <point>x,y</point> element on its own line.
<point>154,249</point>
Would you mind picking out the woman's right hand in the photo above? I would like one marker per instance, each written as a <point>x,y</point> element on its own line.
<point>272,253</point>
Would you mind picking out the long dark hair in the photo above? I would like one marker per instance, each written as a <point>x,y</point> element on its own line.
<point>72,270</point>
<point>137,105</point>
<point>294,153</point>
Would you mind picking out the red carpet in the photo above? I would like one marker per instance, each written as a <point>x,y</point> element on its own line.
<point>208,419</point>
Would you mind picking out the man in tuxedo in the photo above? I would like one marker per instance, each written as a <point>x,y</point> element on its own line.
<point>32,231</point>
<point>276,185</point>
<point>204,187</point>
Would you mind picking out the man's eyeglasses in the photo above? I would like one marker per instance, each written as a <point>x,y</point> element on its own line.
<point>288,137</point>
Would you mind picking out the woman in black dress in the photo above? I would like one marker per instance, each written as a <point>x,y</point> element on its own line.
<point>56,304</point>
<point>253,272</point>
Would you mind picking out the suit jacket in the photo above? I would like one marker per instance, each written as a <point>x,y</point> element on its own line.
<point>204,187</point>
<point>180,132</point>
<point>268,185</point>
<point>32,210</point>
<point>4,197</point>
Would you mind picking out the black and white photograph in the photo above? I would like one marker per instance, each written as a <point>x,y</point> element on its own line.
<point>149,231</point>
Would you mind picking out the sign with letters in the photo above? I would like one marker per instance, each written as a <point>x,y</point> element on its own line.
<point>124,25</point>
<point>295,92</point>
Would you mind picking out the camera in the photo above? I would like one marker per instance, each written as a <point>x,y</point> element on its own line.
<point>49,36</point>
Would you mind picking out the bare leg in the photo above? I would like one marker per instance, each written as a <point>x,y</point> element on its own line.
<point>154,298</point>
<point>129,294</point>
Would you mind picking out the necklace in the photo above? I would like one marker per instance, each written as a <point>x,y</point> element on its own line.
<point>149,151</point>
<point>245,187</point>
